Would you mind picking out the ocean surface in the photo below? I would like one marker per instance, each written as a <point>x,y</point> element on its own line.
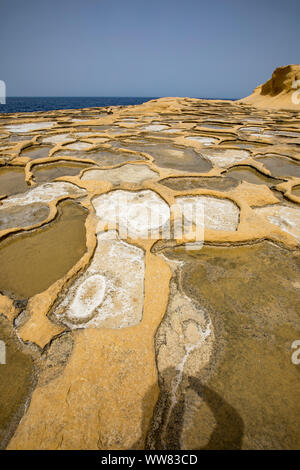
<point>30,104</point>
<point>19,104</point>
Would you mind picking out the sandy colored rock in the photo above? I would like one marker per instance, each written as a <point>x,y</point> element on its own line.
<point>281,91</point>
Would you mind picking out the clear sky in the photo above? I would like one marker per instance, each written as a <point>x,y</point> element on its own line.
<point>212,48</point>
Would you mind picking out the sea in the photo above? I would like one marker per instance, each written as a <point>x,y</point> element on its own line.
<point>30,104</point>
<point>18,104</point>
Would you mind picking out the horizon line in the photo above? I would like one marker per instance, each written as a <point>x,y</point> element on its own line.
<point>124,96</point>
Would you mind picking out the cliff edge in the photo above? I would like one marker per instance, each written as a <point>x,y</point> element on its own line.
<point>282,90</point>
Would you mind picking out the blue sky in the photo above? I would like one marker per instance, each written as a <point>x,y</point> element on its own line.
<point>212,48</point>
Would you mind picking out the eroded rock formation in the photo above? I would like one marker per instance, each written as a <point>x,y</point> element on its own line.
<point>282,90</point>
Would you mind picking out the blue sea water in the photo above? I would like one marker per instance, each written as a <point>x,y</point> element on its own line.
<point>30,104</point>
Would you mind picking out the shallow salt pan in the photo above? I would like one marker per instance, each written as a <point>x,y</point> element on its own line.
<point>260,136</point>
<point>79,120</point>
<point>127,122</point>
<point>172,131</point>
<point>254,120</point>
<point>79,146</point>
<point>219,214</point>
<point>251,129</point>
<point>56,139</point>
<point>125,174</point>
<point>33,126</point>
<point>110,294</point>
<point>285,133</point>
<point>203,140</point>
<point>136,212</point>
<point>285,217</point>
<point>83,134</point>
<point>44,193</point>
<point>20,216</point>
<point>223,158</point>
<point>155,127</point>
<point>265,134</point>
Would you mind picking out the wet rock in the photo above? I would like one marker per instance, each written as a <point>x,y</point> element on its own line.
<point>55,358</point>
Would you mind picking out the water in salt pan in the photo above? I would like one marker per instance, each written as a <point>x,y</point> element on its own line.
<point>124,174</point>
<point>33,126</point>
<point>203,140</point>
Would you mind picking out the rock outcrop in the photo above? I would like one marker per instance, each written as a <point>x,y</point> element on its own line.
<point>281,91</point>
